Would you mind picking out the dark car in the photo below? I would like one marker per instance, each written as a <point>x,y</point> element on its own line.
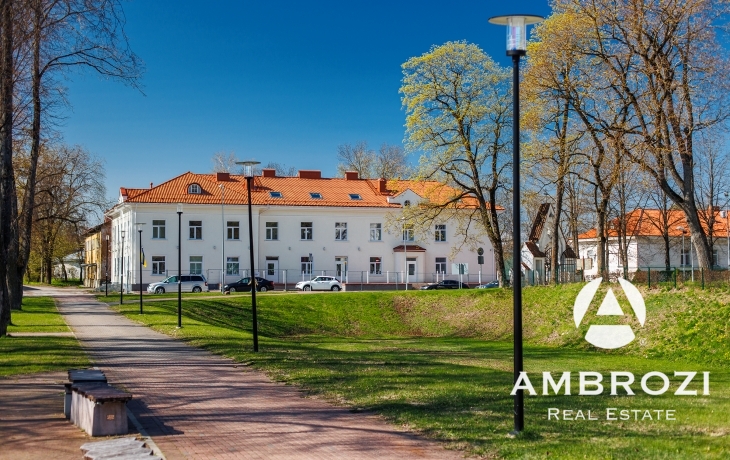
<point>446,284</point>
<point>490,285</point>
<point>244,285</point>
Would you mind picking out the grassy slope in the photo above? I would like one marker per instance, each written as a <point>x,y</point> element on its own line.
<point>24,355</point>
<point>422,360</point>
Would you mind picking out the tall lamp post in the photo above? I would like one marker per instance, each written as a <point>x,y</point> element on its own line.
<point>179,264</point>
<point>516,47</point>
<point>248,172</point>
<point>223,237</point>
<point>106,268</point>
<point>681,258</point>
<point>121,284</point>
<point>139,229</point>
<point>405,253</point>
<point>727,230</point>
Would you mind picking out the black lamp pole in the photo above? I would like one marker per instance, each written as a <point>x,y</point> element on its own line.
<point>140,268</point>
<point>248,171</point>
<point>121,284</point>
<point>516,47</point>
<point>106,268</point>
<point>179,265</point>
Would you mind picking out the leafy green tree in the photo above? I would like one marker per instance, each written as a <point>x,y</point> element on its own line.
<point>458,115</point>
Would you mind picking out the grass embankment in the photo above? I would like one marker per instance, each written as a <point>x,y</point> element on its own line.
<point>440,363</point>
<point>26,355</point>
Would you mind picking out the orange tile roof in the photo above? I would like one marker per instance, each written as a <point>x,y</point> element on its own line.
<point>295,191</point>
<point>648,222</point>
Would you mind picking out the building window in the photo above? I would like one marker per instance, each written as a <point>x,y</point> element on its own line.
<point>440,232</point>
<point>407,203</point>
<point>272,230</point>
<point>315,195</point>
<point>232,229</point>
<point>715,258</point>
<point>232,266</point>
<point>196,229</point>
<point>355,196</point>
<point>375,266</point>
<point>306,266</point>
<point>306,230</point>
<point>158,229</point>
<point>275,195</point>
<point>158,265</point>
<point>408,233</point>
<point>195,189</point>
<point>376,232</point>
<point>341,231</point>
<point>441,265</point>
<point>196,265</point>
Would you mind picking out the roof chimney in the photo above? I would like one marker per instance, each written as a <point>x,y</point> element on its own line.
<point>382,185</point>
<point>222,176</point>
<point>268,172</point>
<point>310,174</point>
<point>150,184</point>
<point>352,175</point>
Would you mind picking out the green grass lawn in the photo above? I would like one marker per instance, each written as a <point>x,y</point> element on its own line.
<point>441,364</point>
<point>26,355</point>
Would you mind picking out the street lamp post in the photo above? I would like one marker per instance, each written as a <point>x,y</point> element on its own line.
<point>248,172</point>
<point>727,230</point>
<point>106,268</point>
<point>223,237</point>
<point>681,257</point>
<point>516,47</point>
<point>121,284</point>
<point>179,264</point>
<point>405,253</point>
<point>139,229</point>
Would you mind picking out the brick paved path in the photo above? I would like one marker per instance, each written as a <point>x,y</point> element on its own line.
<point>197,405</point>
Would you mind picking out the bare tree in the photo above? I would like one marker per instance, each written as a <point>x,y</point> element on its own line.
<point>225,162</point>
<point>356,157</point>
<point>391,163</point>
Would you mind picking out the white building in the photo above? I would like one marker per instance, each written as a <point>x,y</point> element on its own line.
<point>302,227</point>
<point>647,247</point>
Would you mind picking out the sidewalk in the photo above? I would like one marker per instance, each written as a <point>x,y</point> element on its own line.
<point>197,405</point>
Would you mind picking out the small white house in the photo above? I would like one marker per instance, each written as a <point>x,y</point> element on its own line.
<point>647,248</point>
<point>537,250</point>
<point>302,227</point>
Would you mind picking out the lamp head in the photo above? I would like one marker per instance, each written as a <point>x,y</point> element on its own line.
<point>248,166</point>
<point>180,208</point>
<point>516,31</point>
<point>123,232</point>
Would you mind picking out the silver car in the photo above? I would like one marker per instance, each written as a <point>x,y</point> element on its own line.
<point>189,283</point>
<point>320,283</point>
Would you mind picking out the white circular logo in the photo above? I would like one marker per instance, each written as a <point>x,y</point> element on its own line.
<point>609,336</point>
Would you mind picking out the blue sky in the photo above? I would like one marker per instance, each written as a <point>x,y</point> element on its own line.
<point>284,81</point>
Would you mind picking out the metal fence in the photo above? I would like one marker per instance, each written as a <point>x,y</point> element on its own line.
<point>677,277</point>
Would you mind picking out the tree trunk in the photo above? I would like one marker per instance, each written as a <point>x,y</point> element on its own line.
<point>7,176</point>
<point>555,241</point>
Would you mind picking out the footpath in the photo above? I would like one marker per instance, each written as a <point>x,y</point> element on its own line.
<point>194,404</point>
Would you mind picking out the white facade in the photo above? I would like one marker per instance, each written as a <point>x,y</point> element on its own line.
<point>350,243</point>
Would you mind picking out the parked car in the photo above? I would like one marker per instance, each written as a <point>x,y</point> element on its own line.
<point>320,283</point>
<point>445,284</point>
<point>189,283</point>
<point>244,285</point>
<point>491,284</point>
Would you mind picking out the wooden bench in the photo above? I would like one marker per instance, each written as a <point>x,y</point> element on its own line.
<point>80,376</point>
<point>99,409</point>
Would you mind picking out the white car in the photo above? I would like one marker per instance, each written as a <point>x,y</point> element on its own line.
<point>190,283</point>
<point>320,283</point>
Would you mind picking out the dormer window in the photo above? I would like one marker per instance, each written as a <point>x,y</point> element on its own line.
<point>275,195</point>
<point>355,196</point>
<point>315,195</point>
<point>195,189</point>
<point>406,203</point>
